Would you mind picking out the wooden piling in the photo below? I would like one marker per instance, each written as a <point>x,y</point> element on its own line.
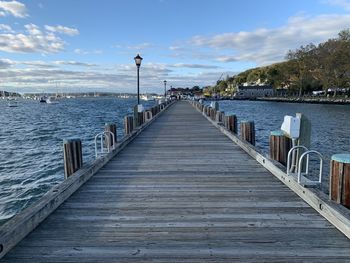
<point>340,179</point>
<point>248,131</point>
<point>215,105</point>
<point>111,127</point>
<point>148,115</point>
<point>128,124</point>
<point>222,116</point>
<point>136,117</point>
<point>212,113</point>
<point>280,145</point>
<point>72,155</point>
<point>231,123</point>
<point>217,117</point>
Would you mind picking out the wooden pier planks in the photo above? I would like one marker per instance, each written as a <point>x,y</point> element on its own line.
<point>183,192</point>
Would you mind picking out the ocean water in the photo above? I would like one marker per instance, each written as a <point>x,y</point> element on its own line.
<point>31,136</point>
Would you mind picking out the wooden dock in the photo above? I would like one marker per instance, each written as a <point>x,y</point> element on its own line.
<point>183,192</point>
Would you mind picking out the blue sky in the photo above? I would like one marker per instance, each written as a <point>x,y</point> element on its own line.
<point>86,45</point>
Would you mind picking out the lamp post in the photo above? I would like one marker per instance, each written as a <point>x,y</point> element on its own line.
<point>164,89</point>
<point>138,60</point>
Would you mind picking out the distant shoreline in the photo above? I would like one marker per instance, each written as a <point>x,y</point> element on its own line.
<point>310,100</point>
<point>315,100</point>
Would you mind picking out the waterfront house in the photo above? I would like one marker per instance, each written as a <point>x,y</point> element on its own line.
<point>254,91</point>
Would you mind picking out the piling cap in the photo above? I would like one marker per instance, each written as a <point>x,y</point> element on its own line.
<point>69,140</point>
<point>277,133</point>
<point>341,157</point>
<point>109,123</point>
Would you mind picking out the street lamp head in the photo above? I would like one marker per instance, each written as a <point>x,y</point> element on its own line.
<point>138,60</point>
<point>165,82</point>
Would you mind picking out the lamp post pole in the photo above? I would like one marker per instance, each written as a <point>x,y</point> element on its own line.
<point>138,85</point>
<point>164,89</point>
<point>138,60</point>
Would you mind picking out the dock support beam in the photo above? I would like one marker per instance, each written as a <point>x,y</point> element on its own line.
<point>73,156</point>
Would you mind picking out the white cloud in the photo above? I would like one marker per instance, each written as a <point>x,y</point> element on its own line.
<point>63,30</point>
<point>141,46</point>
<point>198,66</point>
<point>345,4</point>
<point>6,63</point>
<point>117,78</point>
<point>14,8</point>
<point>175,47</point>
<point>137,47</point>
<point>36,64</point>
<point>74,63</point>
<point>34,40</point>
<point>267,45</point>
<point>6,28</point>
<point>86,52</point>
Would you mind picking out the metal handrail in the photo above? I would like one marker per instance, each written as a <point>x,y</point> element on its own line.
<point>104,136</point>
<point>307,154</point>
<point>291,153</point>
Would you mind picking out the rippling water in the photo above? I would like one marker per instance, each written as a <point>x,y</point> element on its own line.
<point>31,135</point>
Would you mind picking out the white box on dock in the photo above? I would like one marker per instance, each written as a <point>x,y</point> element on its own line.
<point>291,126</point>
<point>140,108</point>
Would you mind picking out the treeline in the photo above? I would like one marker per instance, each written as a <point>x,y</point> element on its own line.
<point>306,69</point>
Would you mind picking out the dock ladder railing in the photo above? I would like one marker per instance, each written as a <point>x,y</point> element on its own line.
<point>295,166</point>
<point>105,144</point>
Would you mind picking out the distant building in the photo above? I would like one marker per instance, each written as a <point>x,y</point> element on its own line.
<point>256,91</point>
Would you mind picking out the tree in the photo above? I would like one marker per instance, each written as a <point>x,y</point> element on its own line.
<point>303,59</point>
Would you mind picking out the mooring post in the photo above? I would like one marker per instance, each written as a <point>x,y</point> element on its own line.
<point>141,118</point>
<point>231,123</point>
<point>148,115</point>
<point>222,116</point>
<point>280,145</point>
<point>340,179</point>
<point>128,124</point>
<point>212,113</point>
<point>207,110</point>
<point>248,131</point>
<point>72,156</point>
<point>111,127</point>
<point>215,105</point>
<point>136,117</point>
<point>217,117</point>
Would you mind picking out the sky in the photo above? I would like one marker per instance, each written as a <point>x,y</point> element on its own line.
<point>88,45</point>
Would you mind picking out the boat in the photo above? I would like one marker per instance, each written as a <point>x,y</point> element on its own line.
<point>48,100</point>
<point>51,100</point>
<point>147,97</point>
<point>11,102</point>
<point>43,99</point>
